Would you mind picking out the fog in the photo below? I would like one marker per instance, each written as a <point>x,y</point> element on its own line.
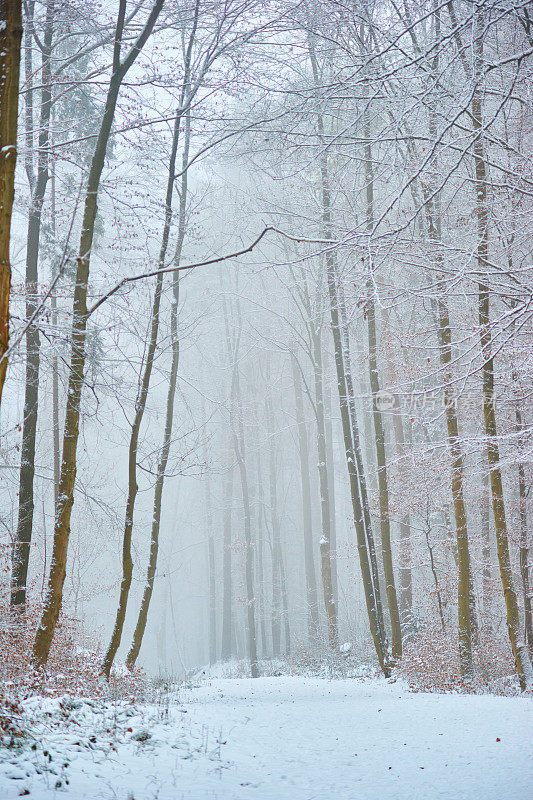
<point>328,479</point>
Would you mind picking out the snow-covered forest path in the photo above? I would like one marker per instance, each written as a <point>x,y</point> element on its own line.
<point>293,738</point>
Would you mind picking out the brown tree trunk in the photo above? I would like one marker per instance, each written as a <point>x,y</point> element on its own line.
<point>457,466</point>
<point>379,430</point>
<point>10,48</point>
<point>520,652</point>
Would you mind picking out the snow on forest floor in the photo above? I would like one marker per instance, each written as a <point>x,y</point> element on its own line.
<point>284,738</point>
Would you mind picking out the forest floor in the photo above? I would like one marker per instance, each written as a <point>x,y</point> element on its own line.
<point>284,738</point>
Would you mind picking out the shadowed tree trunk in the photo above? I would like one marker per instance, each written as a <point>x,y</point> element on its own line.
<point>10,47</point>
<point>22,542</point>
<point>54,594</point>
<point>55,362</point>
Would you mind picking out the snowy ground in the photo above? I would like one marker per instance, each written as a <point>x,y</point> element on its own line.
<point>285,738</point>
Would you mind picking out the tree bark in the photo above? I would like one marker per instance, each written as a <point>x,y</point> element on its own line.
<point>486,550</point>
<point>22,542</point>
<point>379,429</point>
<point>444,334</point>
<point>518,646</point>
<point>10,48</point>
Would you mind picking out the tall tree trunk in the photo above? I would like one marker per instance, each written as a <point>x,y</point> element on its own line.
<point>379,429</point>
<point>54,595</point>
<point>145,378</point>
<point>444,333</point>
<point>274,519</point>
<point>140,406</point>
<point>55,362</point>
<point>486,550</point>
<point>307,517</point>
<point>249,558</point>
<point>405,565</point>
<point>330,465</point>
<point>361,511</point>
<point>142,619</point>
<point>237,429</point>
<point>227,605</point>
<point>10,47</point>
<point>406,578</point>
<point>525,556</point>
<point>260,556</point>
<point>357,452</point>
<point>457,485</point>
<point>325,539</point>
<point>284,601</point>
<point>22,542</point>
<point>518,646</point>
<point>211,574</point>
